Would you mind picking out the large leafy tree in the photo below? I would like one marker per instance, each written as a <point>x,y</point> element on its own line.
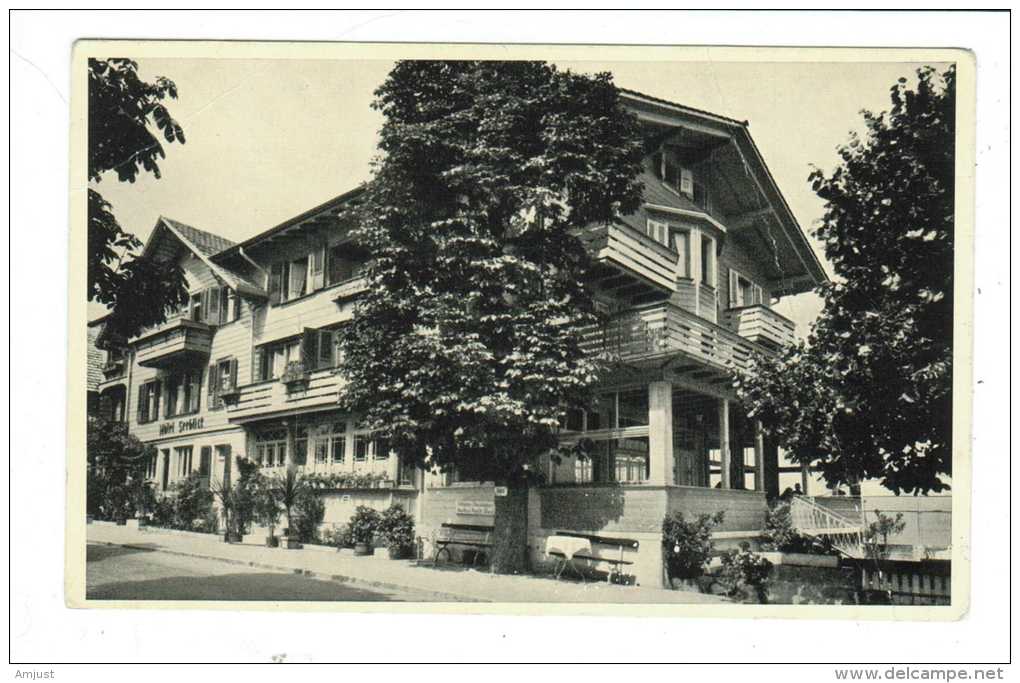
<point>115,475</point>
<point>126,118</point>
<point>870,393</point>
<point>465,350</point>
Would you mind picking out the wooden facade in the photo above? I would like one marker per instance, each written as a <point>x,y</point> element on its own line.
<point>688,283</point>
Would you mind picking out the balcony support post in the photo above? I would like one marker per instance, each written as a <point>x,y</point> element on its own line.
<point>725,463</point>
<point>660,433</point>
<point>289,461</point>
<point>759,457</point>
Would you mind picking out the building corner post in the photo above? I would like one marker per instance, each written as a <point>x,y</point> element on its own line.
<point>660,433</point>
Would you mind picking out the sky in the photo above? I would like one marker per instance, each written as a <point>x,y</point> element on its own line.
<point>269,139</point>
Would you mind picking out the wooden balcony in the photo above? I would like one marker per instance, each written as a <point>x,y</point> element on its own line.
<point>289,394</point>
<point>180,341</point>
<point>629,264</point>
<point>654,332</point>
<point>760,324</point>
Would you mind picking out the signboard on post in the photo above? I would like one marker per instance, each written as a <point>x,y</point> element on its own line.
<point>476,507</point>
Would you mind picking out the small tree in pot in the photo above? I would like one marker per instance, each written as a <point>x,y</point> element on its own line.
<point>267,510</point>
<point>687,547</point>
<point>397,528</point>
<point>364,523</point>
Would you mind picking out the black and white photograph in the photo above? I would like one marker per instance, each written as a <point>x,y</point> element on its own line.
<point>564,331</point>
<point>538,337</point>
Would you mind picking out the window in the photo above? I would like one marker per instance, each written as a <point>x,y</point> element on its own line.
<point>222,379</point>
<point>297,284</point>
<point>708,274</point>
<point>214,306</point>
<point>271,359</point>
<point>362,444</point>
<point>618,410</point>
<point>338,442</point>
<point>182,455</point>
<point>148,402</point>
<point>658,231</point>
<point>150,467</point>
<point>380,449</point>
<point>301,445</point>
<point>344,263</point>
<point>682,245</point>
<point>674,175</point>
<point>271,448</point>
<point>205,461</point>
<point>197,313</point>
<point>182,393</point>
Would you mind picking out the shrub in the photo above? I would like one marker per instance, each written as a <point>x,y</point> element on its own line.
<point>308,513</point>
<point>687,545</point>
<point>192,500</point>
<point>876,535</point>
<point>163,513</point>
<point>364,523</point>
<point>745,573</point>
<point>397,527</point>
<point>339,536</point>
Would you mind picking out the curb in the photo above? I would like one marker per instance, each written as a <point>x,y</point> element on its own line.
<point>339,578</point>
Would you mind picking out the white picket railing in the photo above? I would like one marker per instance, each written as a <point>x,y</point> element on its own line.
<point>811,519</point>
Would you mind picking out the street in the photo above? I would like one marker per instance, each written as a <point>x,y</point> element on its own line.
<point>120,573</point>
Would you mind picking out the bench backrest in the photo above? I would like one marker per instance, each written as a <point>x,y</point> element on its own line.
<point>604,540</point>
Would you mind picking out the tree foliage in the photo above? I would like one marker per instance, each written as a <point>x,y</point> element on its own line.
<point>126,118</point>
<point>466,346</point>
<point>115,476</point>
<point>869,395</point>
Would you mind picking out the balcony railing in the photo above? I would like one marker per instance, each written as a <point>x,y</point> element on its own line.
<point>761,325</point>
<point>662,329</point>
<point>316,388</point>
<point>178,341</point>
<point>632,253</point>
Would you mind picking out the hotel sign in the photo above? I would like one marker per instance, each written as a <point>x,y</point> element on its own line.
<point>476,507</point>
<point>181,426</point>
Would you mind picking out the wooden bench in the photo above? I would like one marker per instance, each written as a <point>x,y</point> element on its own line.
<point>616,563</point>
<point>468,535</point>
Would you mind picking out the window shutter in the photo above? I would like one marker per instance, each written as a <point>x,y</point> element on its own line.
<point>212,311</point>
<point>196,390</point>
<point>233,305</point>
<point>317,264</point>
<point>256,366</point>
<point>276,283</point>
<point>212,388</point>
<point>325,349</point>
<point>734,286</point>
<point>233,374</point>
<point>757,295</point>
<point>310,348</point>
<point>156,391</point>
<point>143,404</point>
<point>687,183</point>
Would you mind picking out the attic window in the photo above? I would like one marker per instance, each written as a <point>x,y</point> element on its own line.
<point>675,175</point>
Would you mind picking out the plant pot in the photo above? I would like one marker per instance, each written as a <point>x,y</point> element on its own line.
<point>398,552</point>
<point>272,542</point>
<point>363,549</point>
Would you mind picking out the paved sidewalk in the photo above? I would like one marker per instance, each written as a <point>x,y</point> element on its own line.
<point>445,582</point>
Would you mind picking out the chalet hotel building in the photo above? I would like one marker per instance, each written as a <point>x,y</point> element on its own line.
<point>689,281</point>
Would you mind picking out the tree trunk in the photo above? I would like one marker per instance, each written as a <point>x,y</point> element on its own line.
<point>510,535</point>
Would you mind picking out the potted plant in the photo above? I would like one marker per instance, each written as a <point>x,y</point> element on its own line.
<point>224,493</point>
<point>363,525</point>
<point>267,511</point>
<point>290,487</point>
<point>687,548</point>
<point>397,528</point>
<point>295,376</point>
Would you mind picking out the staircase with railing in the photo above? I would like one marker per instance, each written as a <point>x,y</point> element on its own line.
<point>845,533</point>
